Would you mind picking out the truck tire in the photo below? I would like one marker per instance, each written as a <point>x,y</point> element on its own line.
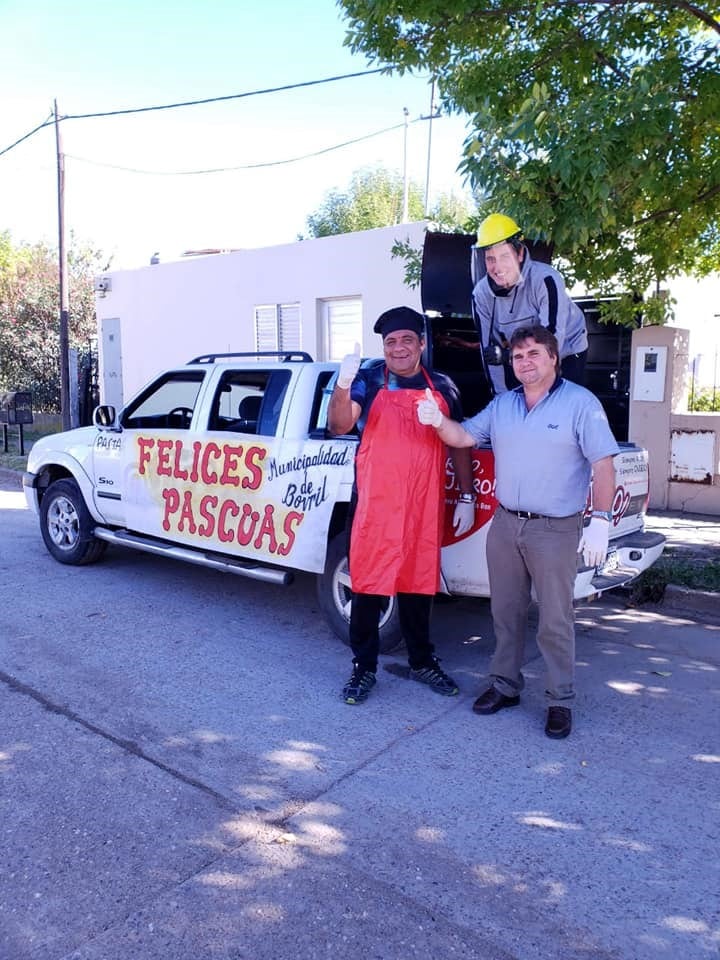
<point>66,525</point>
<point>333,593</point>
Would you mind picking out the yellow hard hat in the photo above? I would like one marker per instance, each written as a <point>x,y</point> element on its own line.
<point>496,228</point>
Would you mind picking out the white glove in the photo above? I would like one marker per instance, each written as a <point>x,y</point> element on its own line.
<point>463,518</point>
<point>348,368</point>
<point>428,411</point>
<point>594,542</point>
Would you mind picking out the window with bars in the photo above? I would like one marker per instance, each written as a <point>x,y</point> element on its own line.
<point>277,327</point>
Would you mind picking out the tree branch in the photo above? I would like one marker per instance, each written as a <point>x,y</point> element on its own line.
<point>521,9</point>
<point>671,211</point>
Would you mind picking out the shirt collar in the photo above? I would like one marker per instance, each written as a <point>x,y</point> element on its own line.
<point>557,383</point>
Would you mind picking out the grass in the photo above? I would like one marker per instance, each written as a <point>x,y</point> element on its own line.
<point>12,459</point>
<point>697,573</point>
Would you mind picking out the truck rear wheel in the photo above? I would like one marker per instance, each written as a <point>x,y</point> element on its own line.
<point>66,525</point>
<point>333,593</point>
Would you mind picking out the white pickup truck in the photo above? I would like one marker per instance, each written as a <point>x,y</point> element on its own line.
<point>225,462</point>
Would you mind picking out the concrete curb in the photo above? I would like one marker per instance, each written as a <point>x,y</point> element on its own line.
<point>11,476</point>
<point>685,600</point>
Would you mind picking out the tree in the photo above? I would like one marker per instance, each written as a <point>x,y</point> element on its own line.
<point>593,123</point>
<point>373,199</point>
<point>29,315</point>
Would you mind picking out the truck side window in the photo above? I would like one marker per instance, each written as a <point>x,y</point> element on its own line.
<point>318,415</point>
<point>249,401</point>
<point>168,403</point>
<point>318,423</point>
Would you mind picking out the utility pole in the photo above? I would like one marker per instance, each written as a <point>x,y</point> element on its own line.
<point>64,297</point>
<point>427,173</point>
<point>405,169</point>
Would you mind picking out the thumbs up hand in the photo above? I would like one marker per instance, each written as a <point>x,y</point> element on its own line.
<point>428,411</point>
<point>348,368</point>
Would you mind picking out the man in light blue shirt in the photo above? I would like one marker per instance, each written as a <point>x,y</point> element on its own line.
<point>548,437</point>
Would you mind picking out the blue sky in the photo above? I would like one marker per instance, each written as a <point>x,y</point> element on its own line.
<point>99,56</point>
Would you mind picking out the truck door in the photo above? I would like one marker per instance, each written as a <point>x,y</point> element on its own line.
<point>151,428</point>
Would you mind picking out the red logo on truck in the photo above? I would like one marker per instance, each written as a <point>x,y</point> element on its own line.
<point>483,488</point>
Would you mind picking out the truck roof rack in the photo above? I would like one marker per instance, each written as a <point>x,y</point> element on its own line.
<point>285,355</point>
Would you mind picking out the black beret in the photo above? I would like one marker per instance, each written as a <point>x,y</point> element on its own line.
<point>400,318</point>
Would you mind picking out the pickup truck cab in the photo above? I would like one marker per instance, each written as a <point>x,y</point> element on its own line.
<point>226,462</point>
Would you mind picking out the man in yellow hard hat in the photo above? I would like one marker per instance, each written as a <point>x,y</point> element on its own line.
<point>517,291</point>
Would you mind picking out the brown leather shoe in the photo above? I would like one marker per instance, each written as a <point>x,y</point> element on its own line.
<point>559,722</point>
<point>492,700</point>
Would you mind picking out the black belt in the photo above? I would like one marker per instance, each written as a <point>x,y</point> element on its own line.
<point>526,515</point>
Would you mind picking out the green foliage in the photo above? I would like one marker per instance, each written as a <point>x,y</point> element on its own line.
<point>594,125</point>
<point>374,198</point>
<point>29,315</point>
<point>706,400</point>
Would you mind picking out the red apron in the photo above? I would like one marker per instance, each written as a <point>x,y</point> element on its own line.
<point>400,470</point>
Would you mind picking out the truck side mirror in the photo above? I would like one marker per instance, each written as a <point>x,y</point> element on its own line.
<point>104,416</point>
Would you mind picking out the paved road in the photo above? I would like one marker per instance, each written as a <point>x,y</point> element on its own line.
<point>180,781</point>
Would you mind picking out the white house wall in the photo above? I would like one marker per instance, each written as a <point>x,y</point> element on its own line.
<point>168,313</point>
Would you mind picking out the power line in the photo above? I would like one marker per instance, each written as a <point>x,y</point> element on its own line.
<point>231,96</point>
<point>245,166</point>
<point>190,103</point>
<point>45,123</point>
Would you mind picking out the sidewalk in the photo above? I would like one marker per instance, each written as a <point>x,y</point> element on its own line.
<point>694,537</point>
<point>688,534</point>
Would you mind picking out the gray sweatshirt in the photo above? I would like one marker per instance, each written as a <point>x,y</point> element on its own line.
<point>539,296</point>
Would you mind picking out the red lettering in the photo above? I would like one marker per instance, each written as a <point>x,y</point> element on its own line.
<point>146,444</point>
<point>228,507</point>
<point>247,524</point>
<point>211,450</point>
<point>197,447</point>
<point>178,471</point>
<point>171,496</point>
<point>207,528</point>
<point>163,453</point>
<point>253,481</point>
<point>187,513</point>
<point>292,520</point>
<point>230,465</point>
<point>267,529</point>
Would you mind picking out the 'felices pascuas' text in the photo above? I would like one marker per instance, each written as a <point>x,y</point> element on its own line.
<point>229,464</point>
<point>197,512</point>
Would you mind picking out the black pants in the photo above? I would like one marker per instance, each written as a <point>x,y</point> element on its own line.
<point>572,367</point>
<point>414,611</point>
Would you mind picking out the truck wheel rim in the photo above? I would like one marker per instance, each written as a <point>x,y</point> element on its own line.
<point>63,523</point>
<point>342,594</point>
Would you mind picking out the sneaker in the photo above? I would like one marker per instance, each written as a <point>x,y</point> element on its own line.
<point>358,687</point>
<point>436,679</point>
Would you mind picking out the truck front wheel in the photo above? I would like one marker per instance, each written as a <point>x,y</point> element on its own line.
<point>66,525</point>
<point>334,595</point>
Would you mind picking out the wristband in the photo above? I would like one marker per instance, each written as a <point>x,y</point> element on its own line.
<point>466,498</point>
<point>602,514</point>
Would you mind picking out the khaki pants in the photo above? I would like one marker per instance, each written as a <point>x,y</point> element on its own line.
<point>542,554</point>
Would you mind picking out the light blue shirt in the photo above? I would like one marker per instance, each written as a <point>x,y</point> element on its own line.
<point>544,456</point>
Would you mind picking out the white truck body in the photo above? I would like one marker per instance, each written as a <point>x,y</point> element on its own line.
<point>226,462</point>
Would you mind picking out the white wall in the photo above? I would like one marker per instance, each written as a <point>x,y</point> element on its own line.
<point>171,312</point>
<point>698,310</point>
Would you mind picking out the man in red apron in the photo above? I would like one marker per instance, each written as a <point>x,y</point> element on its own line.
<point>397,505</point>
